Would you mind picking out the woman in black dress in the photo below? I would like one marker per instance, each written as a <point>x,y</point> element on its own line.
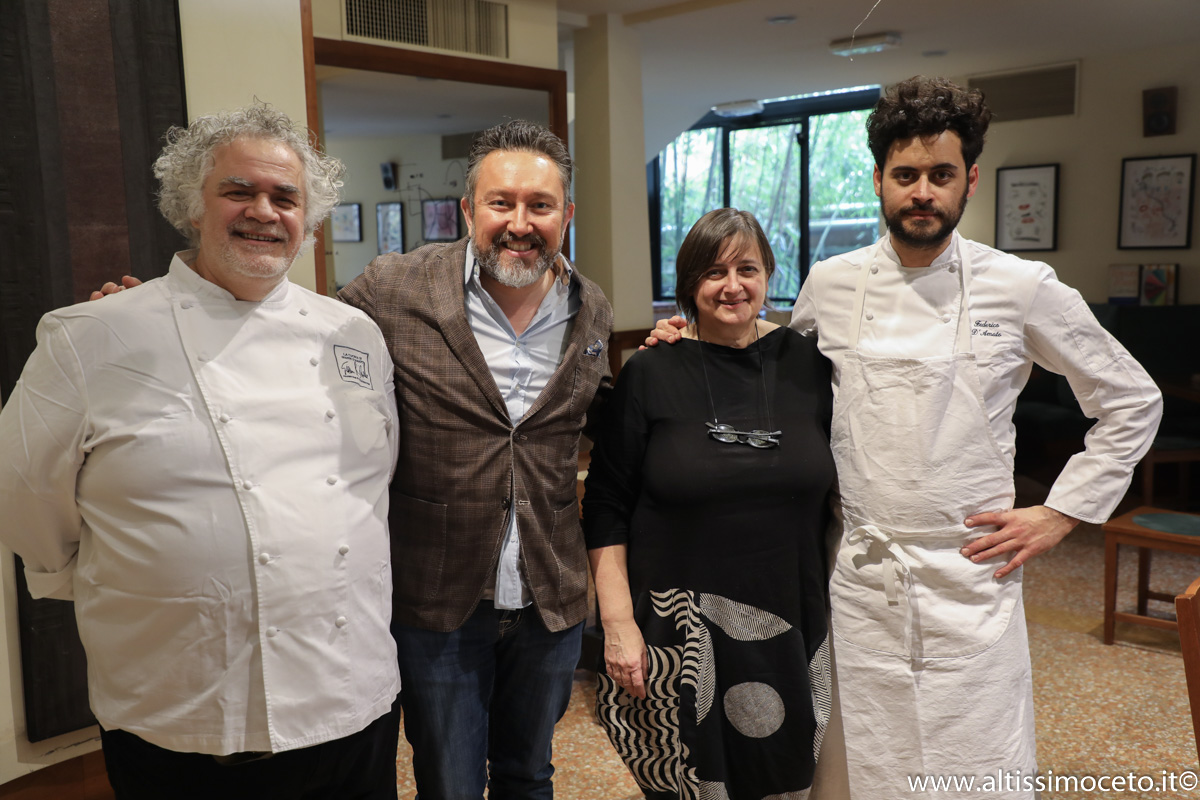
<point>704,511</point>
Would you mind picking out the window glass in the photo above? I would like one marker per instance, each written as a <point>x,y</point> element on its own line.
<point>802,167</point>
<point>692,185</point>
<point>764,166</point>
<point>843,212</point>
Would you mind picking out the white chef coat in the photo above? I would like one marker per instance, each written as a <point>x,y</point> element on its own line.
<point>207,479</point>
<point>1020,314</point>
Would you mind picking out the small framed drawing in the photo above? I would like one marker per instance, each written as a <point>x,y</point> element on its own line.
<point>389,218</point>
<point>1027,208</point>
<point>1156,202</point>
<point>347,222</point>
<point>1159,286</point>
<point>439,220</point>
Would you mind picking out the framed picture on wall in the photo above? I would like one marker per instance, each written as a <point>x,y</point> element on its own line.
<point>389,218</point>
<point>439,220</point>
<point>347,223</point>
<point>1027,208</point>
<point>1156,202</point>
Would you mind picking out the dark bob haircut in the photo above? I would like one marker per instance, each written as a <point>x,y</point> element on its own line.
<point>703,245</point>
<point>923,106</point>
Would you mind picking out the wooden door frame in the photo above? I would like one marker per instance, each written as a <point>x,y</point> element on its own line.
<point>421,64</point>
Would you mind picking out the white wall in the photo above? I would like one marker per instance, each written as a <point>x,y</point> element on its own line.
<point>1089,148</point>
<point>422,174</point>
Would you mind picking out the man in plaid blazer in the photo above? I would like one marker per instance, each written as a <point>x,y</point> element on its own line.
<point>499,350</point>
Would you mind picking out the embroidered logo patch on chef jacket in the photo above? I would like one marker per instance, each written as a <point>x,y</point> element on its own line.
<point>353,366</point>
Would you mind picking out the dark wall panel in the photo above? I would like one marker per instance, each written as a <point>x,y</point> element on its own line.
<point>87,89</point>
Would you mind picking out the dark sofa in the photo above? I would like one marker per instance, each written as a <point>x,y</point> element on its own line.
<point>1165,340</point>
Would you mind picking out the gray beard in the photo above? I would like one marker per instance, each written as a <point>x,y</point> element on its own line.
<point>514,276</point>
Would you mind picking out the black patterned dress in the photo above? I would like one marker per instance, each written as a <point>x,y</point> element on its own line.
<point>726,566</point>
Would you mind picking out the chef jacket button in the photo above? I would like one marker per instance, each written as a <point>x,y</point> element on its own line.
<point>314,361</point>
<point>344,549</point>
<point>331,480</point>
<point>874,270</point>
<point>945,317</point>
<point>330,414</point>
<point>870,315</point>
<point>224,418</point>
<point>264,558</point>
<point>340,622</point>
<point>186,304</point>
<point>271,632</point>
<point>247,485</point>
<point>953,270</point>
<point>304,312</point>
<point>201,358</point>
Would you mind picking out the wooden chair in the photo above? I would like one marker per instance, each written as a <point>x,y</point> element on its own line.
<point>1181,450</point>
<point>1187,609</point>
<point>1125,530</point>
<point>620,341</point>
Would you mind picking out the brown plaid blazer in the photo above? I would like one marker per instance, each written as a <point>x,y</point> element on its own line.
<point>462,462</point>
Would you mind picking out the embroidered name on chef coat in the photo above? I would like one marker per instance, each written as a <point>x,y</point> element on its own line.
<point>353,365</point>
<point>981,327</point>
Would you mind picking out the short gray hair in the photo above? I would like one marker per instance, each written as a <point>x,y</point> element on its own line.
<point>519,135</point>
<point>188,159</point>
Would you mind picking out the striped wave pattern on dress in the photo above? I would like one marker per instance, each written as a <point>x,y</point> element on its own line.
<point>645,733</point>
<point>820,678</point>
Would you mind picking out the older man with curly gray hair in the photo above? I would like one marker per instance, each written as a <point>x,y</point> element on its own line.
<point>202,465</point>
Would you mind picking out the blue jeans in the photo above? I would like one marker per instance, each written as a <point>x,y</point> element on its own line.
<point>481,702</point>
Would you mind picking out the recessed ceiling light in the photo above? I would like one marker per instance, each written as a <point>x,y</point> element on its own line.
<point>738,108</point>
<point>861,45</point>
<point>781,19</point>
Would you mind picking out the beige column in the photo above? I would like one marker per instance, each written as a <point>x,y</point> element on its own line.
<point>611,221</point>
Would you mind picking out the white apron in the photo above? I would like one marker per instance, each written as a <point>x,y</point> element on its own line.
<point>932,657</point>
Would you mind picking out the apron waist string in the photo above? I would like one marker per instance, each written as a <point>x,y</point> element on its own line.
<point>892,563</point>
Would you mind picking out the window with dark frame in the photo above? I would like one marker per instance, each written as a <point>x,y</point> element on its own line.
<point>801,166</point>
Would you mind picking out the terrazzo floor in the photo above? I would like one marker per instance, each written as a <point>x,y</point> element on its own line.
<point>1101,710</point>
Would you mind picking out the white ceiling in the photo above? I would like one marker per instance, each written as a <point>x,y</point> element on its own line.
<point>698,53</point>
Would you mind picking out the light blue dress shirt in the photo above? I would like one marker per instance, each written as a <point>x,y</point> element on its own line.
<point>521,366</point>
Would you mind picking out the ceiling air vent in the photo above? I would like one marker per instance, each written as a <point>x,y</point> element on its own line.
<point>1028,94</point>
<point>463,26</point>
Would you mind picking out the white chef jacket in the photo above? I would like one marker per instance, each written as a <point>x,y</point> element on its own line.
<point>1020,314</point>
<point>207,479</point>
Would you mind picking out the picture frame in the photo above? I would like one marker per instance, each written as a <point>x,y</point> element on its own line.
<point>346,224</point>
<point>439,220</point>
<point>1158,285</point>
<point>389,221</point>
<point>1027,208</point>
<point>1156,202</point>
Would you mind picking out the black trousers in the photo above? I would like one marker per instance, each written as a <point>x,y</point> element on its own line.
<point>361,766</point>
